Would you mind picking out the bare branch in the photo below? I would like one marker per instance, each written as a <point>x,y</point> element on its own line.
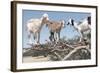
<point>59,57</point>
<point>73,51</point>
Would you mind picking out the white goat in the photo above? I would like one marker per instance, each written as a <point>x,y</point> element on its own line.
<point>81,27</point>
<point>55,29</point>
<point>34,27</point>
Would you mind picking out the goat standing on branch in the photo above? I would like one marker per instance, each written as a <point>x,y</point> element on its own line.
<point>34,27</point>
<point>81,27</point>
<point>55,29</point>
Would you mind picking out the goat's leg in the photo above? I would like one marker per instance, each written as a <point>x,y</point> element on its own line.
<point>58,35</point>
<point>81,36</point>
<point>54,36</point>
<point>38,38</point>
<point>51,37</point>
<point>35,38</point>
<point>54,39</point>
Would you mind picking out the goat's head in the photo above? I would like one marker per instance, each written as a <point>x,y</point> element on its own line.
<point>45,18</point>
<point>45,15</point>
<point>70,21</point>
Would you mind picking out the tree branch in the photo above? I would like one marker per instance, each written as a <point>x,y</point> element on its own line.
<point>73,51</point>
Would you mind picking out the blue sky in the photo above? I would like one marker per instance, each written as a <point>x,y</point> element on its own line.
<point>69,31</point>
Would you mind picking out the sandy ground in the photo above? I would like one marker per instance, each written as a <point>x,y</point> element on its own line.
<point>30,59</point>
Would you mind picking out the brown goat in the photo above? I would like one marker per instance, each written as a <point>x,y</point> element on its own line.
<point>55,29</point>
